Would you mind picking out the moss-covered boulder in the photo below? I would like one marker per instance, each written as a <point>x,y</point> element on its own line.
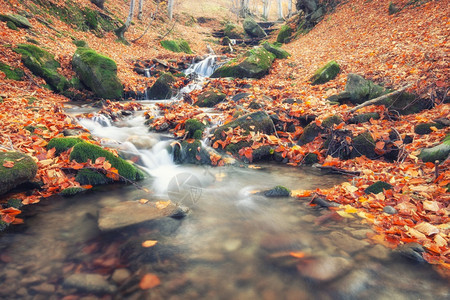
<point>63,144</point>
<point>43,64</point>
<point>360,90</point>
<point>425,128</point>
<point>312,130</point>
<point>72,191</point>
<point>326,73</point>
<point>363,118</point>
<point>285,34</point>
<point>277,51</point>
<point>258,121</point>
<point>81,152</point>
<point>97,72</point>
<point>15,169</point>
<point>18,20</point>
<point>11,73</point>
<point>232,31</point>
<point>253,64</point>
<point>92,177</point>
<point>311,158</point>
<point>378,187</point>
<point>176,46</point>
<point>190,152</point>
<point>253,29</point>
<point>194,128</point>
<point>11,25</point>
<point>328,122</point>
<point>278,191</point>
<point>210,98</point>
<point>162,88</point>
<point>436,153</point>
<point>363,144</point>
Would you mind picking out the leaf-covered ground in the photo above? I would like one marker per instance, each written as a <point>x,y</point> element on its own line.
<point>409,47</point>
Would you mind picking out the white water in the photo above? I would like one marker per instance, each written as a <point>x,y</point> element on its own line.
<point>203,68</point>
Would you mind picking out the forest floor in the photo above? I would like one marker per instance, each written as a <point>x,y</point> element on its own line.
<point>409,47</point>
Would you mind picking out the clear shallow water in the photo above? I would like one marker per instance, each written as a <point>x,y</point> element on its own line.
<point>233,244</point>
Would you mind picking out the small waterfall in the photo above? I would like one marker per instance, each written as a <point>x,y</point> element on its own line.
<point>203,68</point>
<point>147,74</point>
<point>102,120</point>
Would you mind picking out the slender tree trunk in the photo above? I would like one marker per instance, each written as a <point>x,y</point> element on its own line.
<point>141,6</point>
<point>266,7</point>
<point>280,10</point>
<point>120,32</point>
<point>289,8</point>
<point>170,8</point>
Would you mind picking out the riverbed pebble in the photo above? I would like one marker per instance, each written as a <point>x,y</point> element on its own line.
<point>347,243</point>
<point>91,283</point>
<point>120,275</point>
<point>324,268</point>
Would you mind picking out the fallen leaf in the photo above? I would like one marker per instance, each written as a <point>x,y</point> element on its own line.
<point>149,243</point>
<point>162,204</point>
<point>297,254</point>
<point>426,228</point>
<point>8,164</point>
<point>149,281</point>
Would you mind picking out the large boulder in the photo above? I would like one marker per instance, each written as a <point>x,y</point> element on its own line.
<point>210,98</point>
<point>43,64</point>
<point>232,31</point>
<point>162,88</point>
<point>253,64</point>
<point>15,169</point>
<point>11,73</point>
<point>285,33</point>
<point>18,20</point>
<point>176,46</point>
<point>97,72</point>
<point>326,73</point>
<point>439,152</point>
<point>364,144</point>
<point>253,29</point>
<point>312,130</point>
<point>277,51</point>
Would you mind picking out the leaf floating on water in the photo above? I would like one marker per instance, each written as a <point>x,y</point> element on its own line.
<point>149,281</point>
<point>143,201</point>
<point>149,243</point>
<point>162,204</point>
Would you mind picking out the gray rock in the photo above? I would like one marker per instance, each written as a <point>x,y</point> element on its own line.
<point>44,288</point>
<point>347,243</point>
<point>352,284</point>
<point>23,170</point>
<point>253,29</point>
<point>412,251</point>
<point>130,213</point>
<point>360,233</point>
<point>162,88</point>
<point>379,252</point>
<point>18,20</point>
<point>120,275</point>
<point>325,268</point>
<point>91,283</point>
<point>389,210</point>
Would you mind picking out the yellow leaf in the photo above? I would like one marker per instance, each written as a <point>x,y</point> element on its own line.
<point>344,214</point>
<point>351,210</point>
<point>149,243</point>
<point>162,204</point>
<point>143,201</point>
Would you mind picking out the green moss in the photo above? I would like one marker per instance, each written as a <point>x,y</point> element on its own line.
<point>41,63</point>
<point>83,151</point>
<point>275,50</point>
<point>176,46</point>
<point>91,18</point>
<point>14,202</point>
<point>326,73</point>
<point>232,31</point>
<point>310,132</point>
<point>425,128</point>
<point>210,98</point>
<point>285,34</point>
<point>393,9</point>
<point>63,144</point>
<point>24,169</point>
<point>11,25</point>
<point>278,191</point>
<point>436,153</point>
<point>311,158</point>
<point>363,118</point>
<point>33,41</point>
<point>97,72</point>
<point>359,90</point>
<point>72,191</point>
<point>378,187</point>
<point>162,88</point>
<point>193,126</point>
<point>80,43</point>
<point>332,120</point>
<point>17,20</point>
<point>15,74</point>
<point>3,225</point>
<point>363,144</point>
<point>91,177</point>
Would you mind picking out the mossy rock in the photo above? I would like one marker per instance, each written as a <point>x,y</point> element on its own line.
<point>363,144</point>
<point>80,43</point>
<point>253,29</point>
<point>332,120</point>
<point>285,34</point>
<point>277,51</point>
<point>97,72</point>
<point>15,203</point>
<point>63,144</point>
<point>81,152</point>
<point>363,118</point>
<point>278,191</point>
<point>311,158</point>
<point>91,177</point>
<point>192,127</point>
<point>190,153</point>
<point>23,170</point>
<point>360,90</point>
<point>378,187</point>
<point>15,74</point>
<point>425,128</point>
<point>407,103</point>
<point>210,98</point>
<point>393,9</point>
<point>72,191</point>
<point>11,25</point>
<point>258,121</point>
<point>17,20</point>
<point>326,73</point>
<point>162,88</point>
<point>310,132</point>
<point>176,46</point>
<point>232,31</point>
<point>43,64</point>
<point>254,64</point>
<point>436,153</point>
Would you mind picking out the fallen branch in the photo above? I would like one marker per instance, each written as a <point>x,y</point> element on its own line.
<point>379,99</point>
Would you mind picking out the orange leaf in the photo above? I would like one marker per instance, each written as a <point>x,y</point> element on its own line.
<point>8,164</point>
<point>297,254</point>
<point>149,281</point>
<point>100,160</point>
<point>149,243</point>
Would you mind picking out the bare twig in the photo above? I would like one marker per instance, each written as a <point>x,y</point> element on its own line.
<point>153,16</point>
<point>379,99</point>
<point>170,30</point>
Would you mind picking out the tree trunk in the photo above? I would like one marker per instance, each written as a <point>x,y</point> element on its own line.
<point>141,6</point>
<point>266,7</point>
<point>170,8</point>
<point>99,3</point>
<point>120,32</point>
<point>280,10</point>
<point>289,8</point>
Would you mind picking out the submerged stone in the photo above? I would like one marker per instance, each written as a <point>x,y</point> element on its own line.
<point>91,283</point>
<point>324,269</point>
<point>278,191</point>
<point>23,168</point>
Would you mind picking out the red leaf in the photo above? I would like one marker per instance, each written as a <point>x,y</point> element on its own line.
<point>8,164</point>
<point>149,281</point>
